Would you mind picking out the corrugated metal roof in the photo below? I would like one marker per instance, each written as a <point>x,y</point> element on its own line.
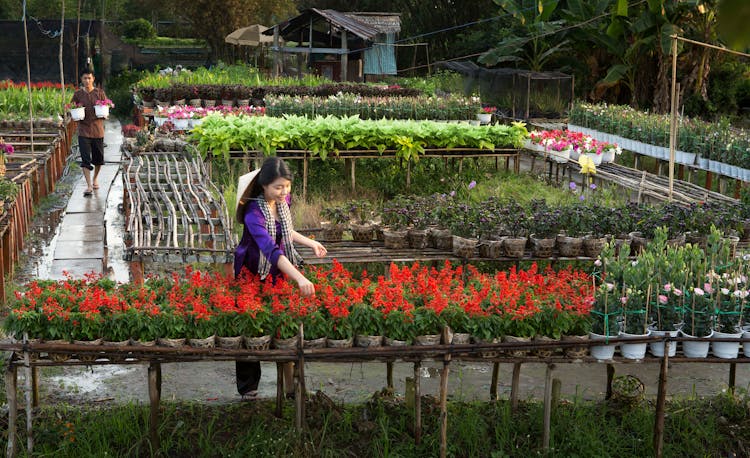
<point>363,25</point>
<point>384,22</point>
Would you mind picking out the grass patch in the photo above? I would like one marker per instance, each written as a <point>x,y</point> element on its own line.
<point>382,427</point>
<point>167,42</point>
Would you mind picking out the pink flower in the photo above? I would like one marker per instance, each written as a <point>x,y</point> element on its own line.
<point>624,300</point>
<point>707,287</point>
<point>698,291</point>
<point>668,287</point>
<point>663,299</point>
<point>677,292</point>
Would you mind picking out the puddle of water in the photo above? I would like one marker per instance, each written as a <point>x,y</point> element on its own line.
<point>90,381</point>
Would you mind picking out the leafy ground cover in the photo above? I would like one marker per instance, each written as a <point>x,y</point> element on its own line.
<point>718,426</point>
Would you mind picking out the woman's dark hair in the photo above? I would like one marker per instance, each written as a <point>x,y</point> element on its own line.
<point>273,167</point>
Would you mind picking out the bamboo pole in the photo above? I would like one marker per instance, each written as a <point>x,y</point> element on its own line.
<point>11,393</point>
<point>299,386</point>
<point>514,385</point>
<point>417,404</point>
<point>279,388</point>
<point>444,408</point>
<point>495,376</point>
<point>389,375</point>
<point>673,116</point>
<point>661,400</point>
<point>547,406</point>
<point>154,395</point>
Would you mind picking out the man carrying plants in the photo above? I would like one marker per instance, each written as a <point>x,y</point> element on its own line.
<point>90,130</point>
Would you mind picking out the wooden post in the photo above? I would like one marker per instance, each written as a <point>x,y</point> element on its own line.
<point>344,56</point>
<point>389,375</point>
<point>610,377</point>
<point>417,404</point>
<point>299,386</point>
<point>154,395</point>
<point>305,165</point>
<point>732,376</point>
<point>514,384</point>
<point>276,51</point>
<point>408,174</point>
<point>547,406</point>
<point>35,386</point>
<point>354,179</point>
<point>11,394</point>
<point>495,376</point>
<point>279,388</point>
<point>661,400</point>
<point>709,180</point>
<point>444,407</point>
<point>136,272</point>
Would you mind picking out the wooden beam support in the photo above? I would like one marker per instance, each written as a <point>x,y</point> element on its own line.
<point>514,386</point>
<point>417,403</point>
<point>11,394</point>
<point>154,395</point>
<point>661,400</point>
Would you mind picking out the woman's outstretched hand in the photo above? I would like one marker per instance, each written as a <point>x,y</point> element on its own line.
<point>318,249</point>
<point>306,287</point>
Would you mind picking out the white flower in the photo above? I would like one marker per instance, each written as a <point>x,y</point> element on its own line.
<point>598,263</point>
<point>698,291</point>
<point>725,291</point>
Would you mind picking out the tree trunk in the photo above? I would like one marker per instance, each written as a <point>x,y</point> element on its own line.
<point>662,89</point>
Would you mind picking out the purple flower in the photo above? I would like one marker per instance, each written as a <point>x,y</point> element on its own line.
<point>453,193</point>
<point>572,186</point>
<point>592,186</point>
<point>582,198</point>
<point>473,184</point>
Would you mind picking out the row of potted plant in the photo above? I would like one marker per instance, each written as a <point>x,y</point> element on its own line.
<point>667,290</point>
<point>716,141</point>
<point>185,117</point>
<point>222,74</point>
<point>182,93</point>
<point>390,107</point>
<point>409,302</point>
<point>508,228</point>
<point>46,99</point>
<point>328,135</point>
<point>563,145</point>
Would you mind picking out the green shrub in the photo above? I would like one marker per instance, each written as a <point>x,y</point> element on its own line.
<point>138,29</point>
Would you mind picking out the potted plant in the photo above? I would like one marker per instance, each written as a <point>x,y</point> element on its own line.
<point>334,220</point>
<point>428,326</point>
<point>396,216</point>
<point>459,324</point>
<point>340,332</point>
<point>486,328</point>
<point>360,224</point>
<point>367,323</point>
<point>146,94</point>
<point>286,330</point>
<point>163,96</point>
<point>101,108</point>
<point>255,326</point>
<point>210,94</point>
<point>485,114</point>
<point>398,328</point>
<point>76,110</point>
<point>543,229</point>
<point>514,221</point>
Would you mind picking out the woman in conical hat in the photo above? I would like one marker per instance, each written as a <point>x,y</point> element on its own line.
<point>267,245</point>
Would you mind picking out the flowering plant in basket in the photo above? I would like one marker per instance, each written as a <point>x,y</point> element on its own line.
<point>366,320</point>
<point>427,321</point>
<point>486,326</point>
<point>104,103</point>
<point>5,148</point>
<point>399,325</point>
<point>315,325</point>
<point>457,319</point>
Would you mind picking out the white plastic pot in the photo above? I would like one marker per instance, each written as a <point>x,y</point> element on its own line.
<point>102,111</point>
<point>602,352</point>
<point>633,350</point>
<point>77,114</point>
<point>726,350</point>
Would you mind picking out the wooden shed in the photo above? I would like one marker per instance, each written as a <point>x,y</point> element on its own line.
<point>340,46</point>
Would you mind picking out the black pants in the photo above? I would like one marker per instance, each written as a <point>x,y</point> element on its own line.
<point>248,376</point>
<point>92,151</point>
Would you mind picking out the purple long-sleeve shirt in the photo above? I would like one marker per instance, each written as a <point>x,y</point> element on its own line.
<point>256,239</point>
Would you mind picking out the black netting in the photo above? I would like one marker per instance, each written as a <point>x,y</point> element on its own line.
<point>518,94</point>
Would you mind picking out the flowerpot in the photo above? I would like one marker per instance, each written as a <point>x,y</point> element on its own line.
<point>682,157</point>
<point>207,342</point>
<point>171,343</point>
<point>147,103</point>
<point>638,243</point>
<point>657,348</point>
<point>181,124</point>
<point>696,239</point>
<point>180,102</point>
<point>575,154</point>
<point>746,343</point>
<point>602,352</point>
<point>90,357</point>
<point>732,242</point>
<point>58,357</point>
<point>209,103</point>
<point>340,343</point>
<point>545,352</point>
<point>102,111</point>
<point>461,338</point>
<point>316,343</point>
<point>286,344</point>
<point>595,158</point>
<point>726,350</point>
<point>492,249</point>
<point>514,247</point>
<point>488,353</point>
<point>561,156</point>
<point>395,342</point>
<point>119,357</point>
<point>77,114</point>
<point>633,350</point>
<point>703,163</point>
<point>427,339</point>
<point>396,240</point>
<point>243,102</point>
<point>160,120</point>
<point>677,241</point>
<point>361,232</point>
<point>229,343</point>
<point>227,102</point>
<point>608,156</point>
<point>517,340</point>
<point>195,103</point>
<point>593,246</point>
<point>484,118</point>
<point>569,247</point>
<point>143,343</point>
<point>576,352</point>
<point>418,238</point>
<point>195,122</point>
<point>542,248</point>
<point>257,343</point>
<point>368,341</point>
<point>331,232</point>
<point>162,103</point>
<point>697,347</point>
<point>442,239</point>
<point>464,248</point>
